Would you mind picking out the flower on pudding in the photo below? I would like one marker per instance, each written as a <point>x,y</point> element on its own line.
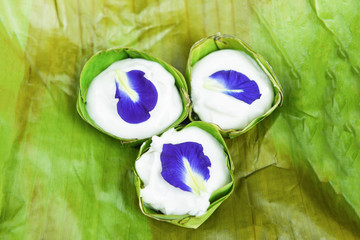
<point>185,166</point>
<point>137,96</point>
<point>234,84</point>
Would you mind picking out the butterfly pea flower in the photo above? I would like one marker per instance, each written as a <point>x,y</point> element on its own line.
<point>131,98</point>
<point>185,166</point>
<point>180,171</point>
<point>137,96</point>
<point>231,86</point>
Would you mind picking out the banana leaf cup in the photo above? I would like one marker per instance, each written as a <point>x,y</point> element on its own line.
<point>216,197</point>
<point>218,42</point>
<point>101,61</point>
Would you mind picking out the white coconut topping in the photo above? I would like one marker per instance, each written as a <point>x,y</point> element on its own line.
<point>102,105</point>
<point>162,196</point>
<point>222,109</point>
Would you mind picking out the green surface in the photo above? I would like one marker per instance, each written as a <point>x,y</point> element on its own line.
<point>297,172</point>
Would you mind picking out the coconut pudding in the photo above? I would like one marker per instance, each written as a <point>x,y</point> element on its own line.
<point>228,88</point>
<point>181,170</point>
<point>134,98</point>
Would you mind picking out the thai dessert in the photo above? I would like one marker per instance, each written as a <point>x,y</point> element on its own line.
<point>229,89</point>
<point>181,170</point>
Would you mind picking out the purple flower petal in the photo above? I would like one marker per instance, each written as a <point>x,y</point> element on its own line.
<point>185,166</point>
<point>237,85</point>
<point>137,96</point>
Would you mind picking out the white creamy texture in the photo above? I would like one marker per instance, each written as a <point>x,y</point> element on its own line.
<point>219,108</point>
<point>161,195</point>
<point>101,103</point>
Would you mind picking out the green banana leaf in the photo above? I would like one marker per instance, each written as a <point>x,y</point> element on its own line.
<point>297,172</point>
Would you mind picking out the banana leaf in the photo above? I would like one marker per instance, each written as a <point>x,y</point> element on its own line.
<point>296,172</point>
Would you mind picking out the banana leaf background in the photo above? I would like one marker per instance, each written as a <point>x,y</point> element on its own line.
<point>297,172</point>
